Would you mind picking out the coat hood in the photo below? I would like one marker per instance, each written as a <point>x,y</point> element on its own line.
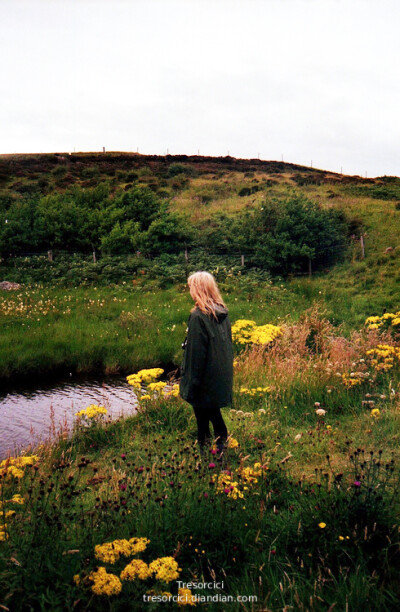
<point>221,313</point>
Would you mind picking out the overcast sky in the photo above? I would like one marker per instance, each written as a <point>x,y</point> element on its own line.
<point>302,80</point>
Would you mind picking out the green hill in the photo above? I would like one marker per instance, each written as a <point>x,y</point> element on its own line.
<point>201,189</point>
<point>206,195</point>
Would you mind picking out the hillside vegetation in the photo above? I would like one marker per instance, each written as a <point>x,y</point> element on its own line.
<point>258,226</point>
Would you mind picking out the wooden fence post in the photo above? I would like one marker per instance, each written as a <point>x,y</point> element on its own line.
<point>94,257</point>
<point>242,260</point>
<point>362,246</point>
<point>186,255</point>
<point>50,255</point>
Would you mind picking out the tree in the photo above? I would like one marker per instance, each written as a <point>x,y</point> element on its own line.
<point>167,233</point>
<point>123,238</point>
<point>141,205</point>
<point>16,227</point>
<point>286,235</point>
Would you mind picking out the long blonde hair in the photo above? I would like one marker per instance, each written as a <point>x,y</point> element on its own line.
<point>204,291</point>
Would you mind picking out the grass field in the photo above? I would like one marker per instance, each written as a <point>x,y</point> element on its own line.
<point>119,329</point>
<point>301,513</point>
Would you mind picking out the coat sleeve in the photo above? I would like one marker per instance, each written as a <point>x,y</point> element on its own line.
<point>195,356</point>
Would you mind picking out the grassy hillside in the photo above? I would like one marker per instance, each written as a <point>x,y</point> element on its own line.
<point>200,189</point>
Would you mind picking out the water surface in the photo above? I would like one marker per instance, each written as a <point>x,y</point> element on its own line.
<point>33,414</point>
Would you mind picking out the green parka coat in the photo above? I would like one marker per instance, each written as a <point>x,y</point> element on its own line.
<point>207,366</point>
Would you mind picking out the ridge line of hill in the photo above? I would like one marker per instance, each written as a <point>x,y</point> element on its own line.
<point>136,160</point>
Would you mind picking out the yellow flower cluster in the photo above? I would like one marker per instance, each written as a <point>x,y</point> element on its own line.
<point>232,443</point>
<point>173,392</point>
<point>185,598</point>
<point>16,499</point>
<point>6,514</point>
<point>105,583</point>
<point>245,331</point>
<point>375,413</point>
<point>250,474</point>
<point>254,391</point>
<point>352,380</point>
<point>91,412</point>
<point>384,357</point>
<point>13,466</point>
<point>136,569</point>
<point>144,377</point>
<point>3,532</point>
<point>157,387</point>
<point>386,320</point>
<point>110,552</point>
<point>225,484</point>
<point>165,569</point>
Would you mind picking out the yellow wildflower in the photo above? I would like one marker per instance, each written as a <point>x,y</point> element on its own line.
<point>17,499</point>
<point>91,412</point>
<point>136,569</point>
<point>138,545</point>
<point>105,583</point>
<point>110,552</point>
<point>13,466</point>
<point>247,332</point>
<point>144,377</point>
<point>232,443</point>
<point>3,535</point>
<point>165,568</point>
<point>225,484</point>
<point>322,525</point>
<point>255,391</point>
<point>157,386</point>
<point>385,321</point>
<point>185,598</point>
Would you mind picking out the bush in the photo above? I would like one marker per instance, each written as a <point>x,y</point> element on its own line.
<point>384,190</point>
<point>177,169</point>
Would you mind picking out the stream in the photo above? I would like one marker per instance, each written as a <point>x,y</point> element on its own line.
<point>29,415</point>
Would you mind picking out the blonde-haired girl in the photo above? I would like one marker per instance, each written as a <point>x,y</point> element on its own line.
<point>207,367</point>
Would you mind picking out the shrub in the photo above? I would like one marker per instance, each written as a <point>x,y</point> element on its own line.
<point>176,169</point>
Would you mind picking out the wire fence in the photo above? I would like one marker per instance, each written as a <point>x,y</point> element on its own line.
<point>246,257</point>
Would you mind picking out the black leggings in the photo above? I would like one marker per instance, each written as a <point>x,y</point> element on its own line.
<point>203,418</point>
